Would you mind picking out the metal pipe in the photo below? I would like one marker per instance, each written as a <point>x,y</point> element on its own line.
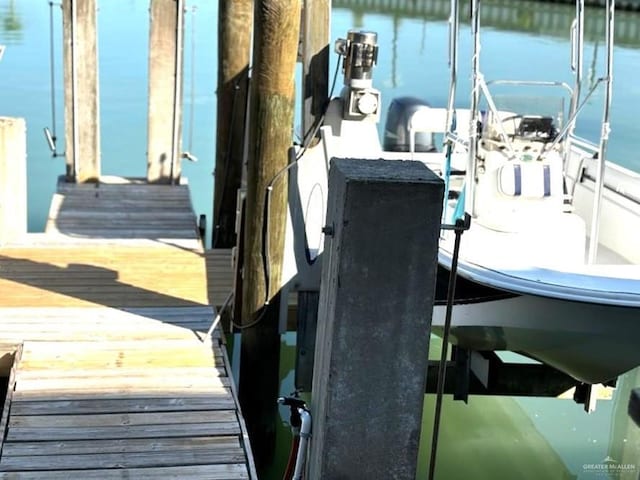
<point>533,83</point>
<point>52,66</point>
<point>454,30</point>
<point>578,54</point>
<point>74,89</point>
<point>475,100</point>
<point>494,110</point>
<point>604,137</point>
<point>177,92</point>
<point>454,25</point>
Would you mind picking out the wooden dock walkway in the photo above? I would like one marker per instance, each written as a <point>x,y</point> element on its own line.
<point>113,375</point>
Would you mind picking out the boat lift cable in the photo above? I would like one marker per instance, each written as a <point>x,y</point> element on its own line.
<point>308,137</point>
<point>461,224</point>
<point>310,134</point>
<point>177,92</point>
<point>188,155</point>
<point>51,135</point>
<point>74,91</point>
<point>266,253</point>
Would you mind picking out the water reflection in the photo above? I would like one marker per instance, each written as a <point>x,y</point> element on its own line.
<point>550,19</point>
<point>11,23</point>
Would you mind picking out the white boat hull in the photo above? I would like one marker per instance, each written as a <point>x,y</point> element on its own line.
<point>580,318</point>
<point>593,343</point>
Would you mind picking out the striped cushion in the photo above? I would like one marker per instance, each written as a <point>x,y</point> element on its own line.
<point>530,180</point>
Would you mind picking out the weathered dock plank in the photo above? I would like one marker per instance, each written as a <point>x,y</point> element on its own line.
<point>123,208</point>
<point>200,472</point>
<point>71,276</point>
<point>126,393</point>
<point>222,401</point>
<point>76,447</point>
<point>116,376</point>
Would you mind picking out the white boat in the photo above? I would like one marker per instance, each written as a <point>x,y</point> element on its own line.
<point>553,223</point>
<point>550,266</point>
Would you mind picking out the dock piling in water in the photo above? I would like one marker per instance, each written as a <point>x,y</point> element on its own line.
<point>374,319</point>
<point>166,34</point>
<point>235,18</point>
<point>13,179</point>
<point>81,105</point>
<point>275,47</point>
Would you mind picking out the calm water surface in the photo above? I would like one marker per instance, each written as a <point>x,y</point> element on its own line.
<point>490,438</point>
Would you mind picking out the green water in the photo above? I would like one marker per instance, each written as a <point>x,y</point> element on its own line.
<point>497,438</point>
<point>490,438</point>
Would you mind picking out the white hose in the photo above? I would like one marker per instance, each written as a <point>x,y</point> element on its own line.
<point>305,434</point>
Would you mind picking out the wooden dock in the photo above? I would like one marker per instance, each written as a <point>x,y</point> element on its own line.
<point>103,336</point>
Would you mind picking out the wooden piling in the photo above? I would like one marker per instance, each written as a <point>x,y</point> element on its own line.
<point>166,34</point>
<point>13,179</point>
<point>81,110</point>
<point>374,319</point>
<point>235,21</point>
<point>276,30</point>
<point>315,60</point>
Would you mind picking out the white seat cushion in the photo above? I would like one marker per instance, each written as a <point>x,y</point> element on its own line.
<point>529,180</point>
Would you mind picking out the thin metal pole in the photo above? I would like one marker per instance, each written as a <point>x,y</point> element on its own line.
<point>604,137</point>
<point>193,77</point>
<point>53,75</point>
<point>451,125</point>
<point>177,92</point>
<point>454,27</point>
<point>578,49</point>
<point>475,100</point>
<point>74,90</point>
<point>442,370</point>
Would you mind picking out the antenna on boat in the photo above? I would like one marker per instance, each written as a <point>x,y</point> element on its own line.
<point>360,52</point>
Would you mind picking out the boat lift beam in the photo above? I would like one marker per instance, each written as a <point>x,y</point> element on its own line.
<point>484,373</point>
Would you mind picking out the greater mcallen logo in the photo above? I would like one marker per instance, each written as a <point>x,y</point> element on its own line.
<point>608,467</point>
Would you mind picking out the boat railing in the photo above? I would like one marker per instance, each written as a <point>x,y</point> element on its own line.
<point>532,83</point>
<point>589,147</point>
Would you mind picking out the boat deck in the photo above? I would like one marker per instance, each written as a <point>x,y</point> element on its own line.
<point>111,371</point>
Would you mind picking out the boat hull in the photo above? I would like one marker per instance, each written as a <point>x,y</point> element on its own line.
<point>591,342</point>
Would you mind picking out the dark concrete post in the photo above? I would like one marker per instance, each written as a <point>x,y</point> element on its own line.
<point>13,179</point>
<point>165,90</point>
<point>81,105</point>
<point>374,319</point>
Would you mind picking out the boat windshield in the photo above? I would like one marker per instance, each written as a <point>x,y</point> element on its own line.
<point>531,117</point>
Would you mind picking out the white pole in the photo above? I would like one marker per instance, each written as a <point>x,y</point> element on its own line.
<point>604,137</point>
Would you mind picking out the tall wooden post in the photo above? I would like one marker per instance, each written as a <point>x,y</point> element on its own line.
<point>81,109</point>
<point>166,35</point>
<point>13,179</point>
<point>235,21</point>
<point>315,52</point>
<point>276,30</point>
